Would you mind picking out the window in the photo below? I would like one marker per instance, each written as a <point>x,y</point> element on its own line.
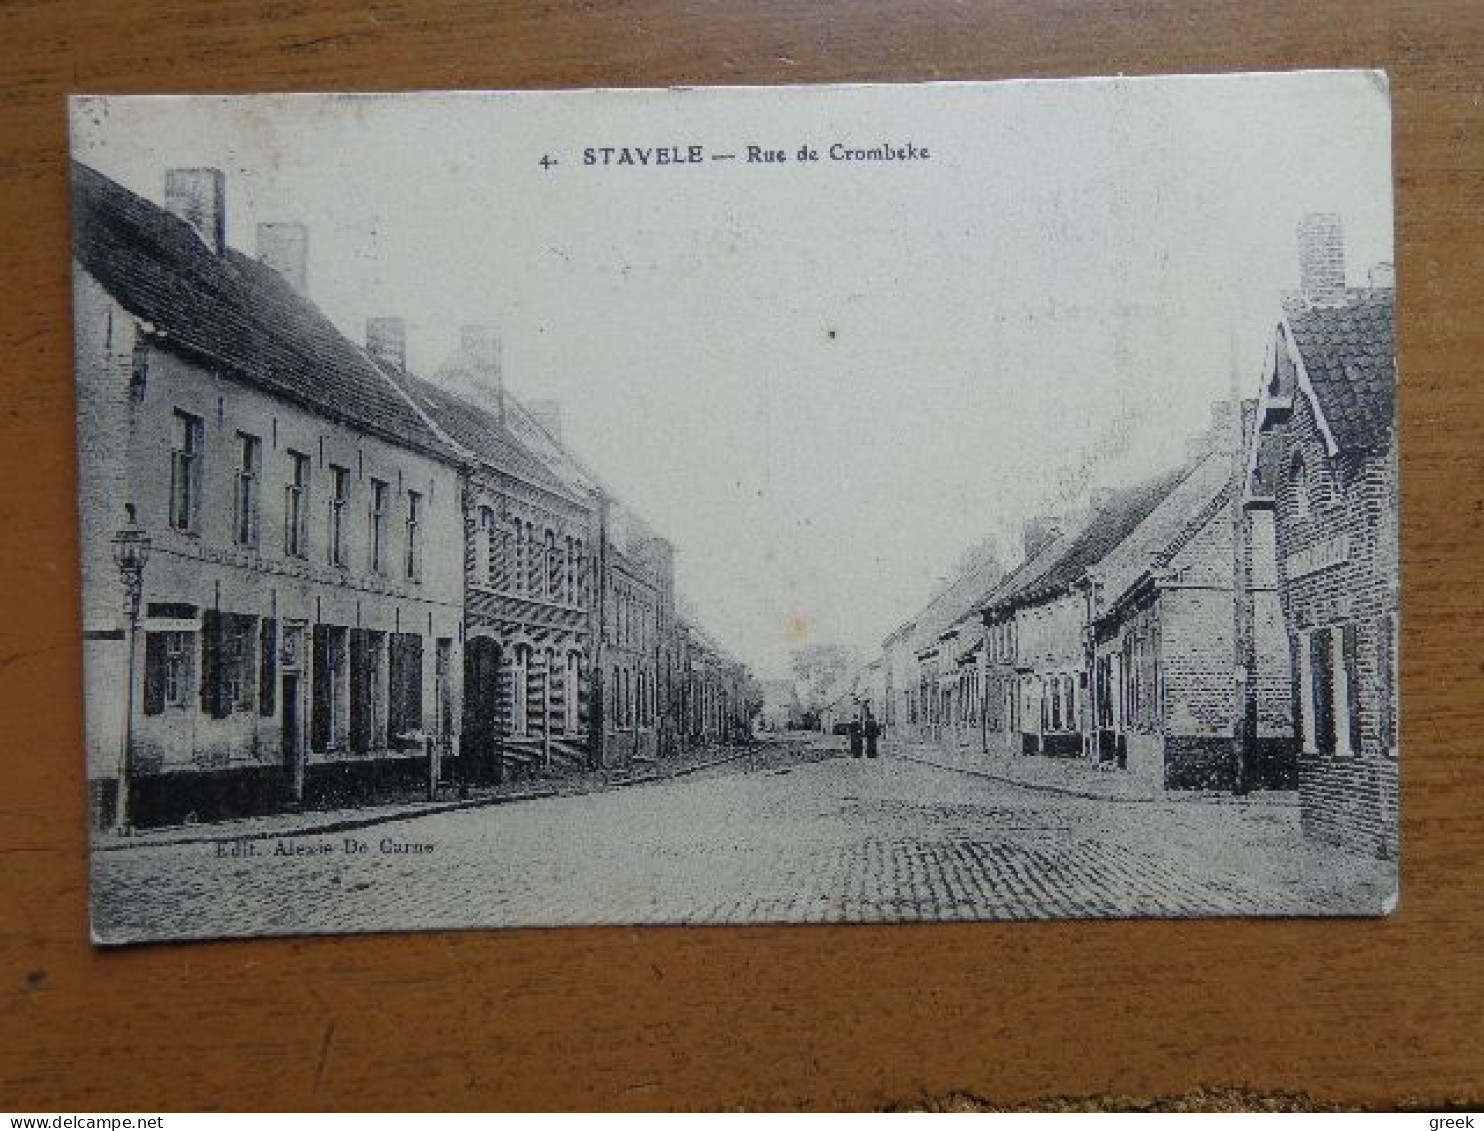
<point>405,709</point>
<point>484,547</point>
<point>443,687</point>
<point>518,581</point>
<point>570,591</point>
<point>296,507</point>
<point>520,691</point>
<point>329,723</point>
<point>579,585</point>
<point>238,669</point>
<point>1328,715</point>
<point>167,670</point>
<point>414,561</point>
<point>245,490</point>
<point>229,663</point>
<point>367,707</point>
<point>379,493</point>
<point>553,567</point>
<point>185,473</point>
<point>339,499</point>
<point>534,568</point>
<point>571,693</point>
<point>549,689</point>
<point>1387,649</point>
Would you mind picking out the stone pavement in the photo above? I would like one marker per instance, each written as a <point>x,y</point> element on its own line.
<point>781,840</point>
<point>1074,777</point>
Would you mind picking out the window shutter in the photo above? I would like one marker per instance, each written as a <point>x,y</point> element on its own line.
<point>1349,661</point>
<point>211,664</point>
<point>267,665</point>
<point>1321,669</point>
<point>1303,711</point>
<point>154,673</point>
<point>249,675</point>
<point>178,516</point>
<point>193,522</point>
<point>319,716</point>
<point>360,686</point>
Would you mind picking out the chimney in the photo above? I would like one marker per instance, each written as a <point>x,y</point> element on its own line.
<point>1199,446</point>
<point>482,352</point>
<point>199,197</point>
<point>1037,532</point>
<point>386,341</point>
<point>548,414</point>
<point>481,345</point>
<point>1382,276</point>
<point>285,248</point>
<point>1321,246</point>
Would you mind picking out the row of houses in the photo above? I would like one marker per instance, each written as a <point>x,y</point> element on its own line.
<point>1229,623</point>
<point>311,575</point>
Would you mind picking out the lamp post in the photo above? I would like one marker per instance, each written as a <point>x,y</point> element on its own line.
<point>130,553</point>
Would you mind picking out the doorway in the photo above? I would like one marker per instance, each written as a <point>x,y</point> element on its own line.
<point>292,738</point>
<point>480,756</point>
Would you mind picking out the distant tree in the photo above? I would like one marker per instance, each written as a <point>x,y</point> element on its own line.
<point>820,670</point>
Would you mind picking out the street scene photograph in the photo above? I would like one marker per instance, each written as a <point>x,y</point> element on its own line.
<point>952,501</point>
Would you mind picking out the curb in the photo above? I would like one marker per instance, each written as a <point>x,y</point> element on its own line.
<point>427,809</point>
<point>1185,797</point>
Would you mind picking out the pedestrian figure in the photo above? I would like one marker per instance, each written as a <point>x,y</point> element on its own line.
<point>872,731</point>
<point>855,738</point>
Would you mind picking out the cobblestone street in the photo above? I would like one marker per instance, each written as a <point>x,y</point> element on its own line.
<point>784,836</point>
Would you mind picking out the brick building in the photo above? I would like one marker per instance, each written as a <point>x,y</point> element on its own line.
<point>1325,462</point>
<point>596,640</point>
<point>1164,617</point>
<point>899,680</point>
<point>926,692</point>
<point>715,697</point>
<point>639,649</point>
<point>299,617</point>
<point>527,538</point>
<point>1004,680</point>
<point>1039,620</point>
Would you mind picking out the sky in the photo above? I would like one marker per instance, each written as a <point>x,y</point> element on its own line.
<point>822,380</point>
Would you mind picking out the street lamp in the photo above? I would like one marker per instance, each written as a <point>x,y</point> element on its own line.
<point>130,553</point>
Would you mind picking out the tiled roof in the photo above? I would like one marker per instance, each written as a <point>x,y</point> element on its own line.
<point>1027,570</point>
<point>957,602</point>
<point>232,312</point>
<point>1183,512</point>
<point>479,431</point>
<point>1110,525</point>
<point>1349,353</point>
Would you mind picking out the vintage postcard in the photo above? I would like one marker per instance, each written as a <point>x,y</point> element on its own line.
<point>738,505</point>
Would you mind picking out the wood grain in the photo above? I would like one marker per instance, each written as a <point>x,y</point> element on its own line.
<point>1353,1012</point>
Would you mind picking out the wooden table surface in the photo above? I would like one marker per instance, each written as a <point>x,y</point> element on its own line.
<point>1352,1012</point>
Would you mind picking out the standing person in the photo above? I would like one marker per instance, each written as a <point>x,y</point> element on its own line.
<point>855,737</point>
<point>873,731</point>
